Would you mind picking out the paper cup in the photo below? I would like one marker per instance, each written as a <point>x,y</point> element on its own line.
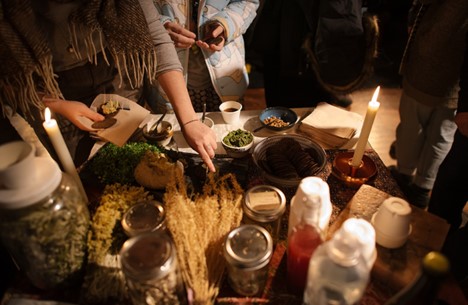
<point>230,111</point>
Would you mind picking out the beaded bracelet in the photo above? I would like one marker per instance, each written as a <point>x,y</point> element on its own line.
<point>191,121</point>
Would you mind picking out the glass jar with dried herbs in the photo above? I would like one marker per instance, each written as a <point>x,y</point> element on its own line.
<point>149,263</point>
<point>44,225</point>
<point>248,250</point>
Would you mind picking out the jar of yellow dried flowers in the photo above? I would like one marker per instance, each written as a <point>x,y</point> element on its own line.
<point>143,217</point>
<point>248,250</point>
<point>149,263</point>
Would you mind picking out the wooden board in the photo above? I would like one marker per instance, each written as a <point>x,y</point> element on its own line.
<point>396,268</point>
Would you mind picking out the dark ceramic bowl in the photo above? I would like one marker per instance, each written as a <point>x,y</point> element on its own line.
<point>285,114</point>
<point>162,136</point>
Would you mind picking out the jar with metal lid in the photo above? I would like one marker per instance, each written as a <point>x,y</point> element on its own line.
<point>144,217</point>
<point>44,218</point>
<point>264,205</point>
<point>149,263</point>
<point>248,250</point>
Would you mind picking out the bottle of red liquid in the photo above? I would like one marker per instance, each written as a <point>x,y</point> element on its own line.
<point>303,239</point>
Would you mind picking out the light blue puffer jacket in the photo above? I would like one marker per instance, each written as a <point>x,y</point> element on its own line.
<point>226,67</point>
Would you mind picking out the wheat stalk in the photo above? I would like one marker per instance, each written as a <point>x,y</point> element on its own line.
<point>199,226</point>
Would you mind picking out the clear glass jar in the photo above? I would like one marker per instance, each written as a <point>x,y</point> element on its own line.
<point>149,263</point>
<point>47,237</point>
<point>248,250</point>
<point>264,205</point>
<point>144,217</point>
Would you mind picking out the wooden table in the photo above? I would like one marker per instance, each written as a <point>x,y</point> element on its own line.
<point>393,268</point>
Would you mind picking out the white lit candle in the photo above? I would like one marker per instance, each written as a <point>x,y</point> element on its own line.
<point>53,131</point>
<point>372,108</point>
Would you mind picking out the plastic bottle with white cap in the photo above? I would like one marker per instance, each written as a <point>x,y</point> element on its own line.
<point>44,218</point>
<point>364,233</point>
<point>338,272</point>
<point>303,240</point>
<point>308,188</point>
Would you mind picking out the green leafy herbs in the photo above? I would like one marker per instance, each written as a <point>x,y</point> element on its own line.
<point>238,138</point>
<point>114,164</point>
<point>48,239</point>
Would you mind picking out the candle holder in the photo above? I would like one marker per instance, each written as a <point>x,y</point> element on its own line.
<point>350,175</point>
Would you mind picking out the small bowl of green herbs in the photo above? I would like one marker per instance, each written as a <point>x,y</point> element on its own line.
<point>237,143</point>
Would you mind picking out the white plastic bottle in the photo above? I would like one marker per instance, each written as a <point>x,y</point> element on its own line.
<point>364,232</point>
<point>338,272</point>
<point>303,240</point>
<point>308,188</point>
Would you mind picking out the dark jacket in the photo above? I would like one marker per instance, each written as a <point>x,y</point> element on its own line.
<point>434,54</point>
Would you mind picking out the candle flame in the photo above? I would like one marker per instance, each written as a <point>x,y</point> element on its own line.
<point>376,94</point>
<point>47,114</point>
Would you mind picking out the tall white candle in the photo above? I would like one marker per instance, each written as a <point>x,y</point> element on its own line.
<point>53,131</point>
<point>372,108</point>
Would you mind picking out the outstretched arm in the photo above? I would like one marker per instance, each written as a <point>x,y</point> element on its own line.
<point>199,136</point>
<point>72,110</point>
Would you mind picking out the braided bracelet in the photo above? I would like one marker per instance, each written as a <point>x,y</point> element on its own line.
<point>191,121</point>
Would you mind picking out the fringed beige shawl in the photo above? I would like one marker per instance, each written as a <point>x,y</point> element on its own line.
<point>26,59</point>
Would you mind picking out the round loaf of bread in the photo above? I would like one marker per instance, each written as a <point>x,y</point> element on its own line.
<point>154,170</point>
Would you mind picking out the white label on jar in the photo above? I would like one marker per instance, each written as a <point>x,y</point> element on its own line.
<point>264,200</point>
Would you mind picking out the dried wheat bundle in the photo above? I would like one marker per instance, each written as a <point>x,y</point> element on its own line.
<point>199,226</point>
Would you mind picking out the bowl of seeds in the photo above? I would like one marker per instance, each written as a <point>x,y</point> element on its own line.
<point>278,118</point>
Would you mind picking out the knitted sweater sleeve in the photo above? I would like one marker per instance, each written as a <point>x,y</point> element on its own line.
<point>165,50</point>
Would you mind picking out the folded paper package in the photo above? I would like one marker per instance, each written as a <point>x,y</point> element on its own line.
<point>127,120</point>
<point>331,126</point>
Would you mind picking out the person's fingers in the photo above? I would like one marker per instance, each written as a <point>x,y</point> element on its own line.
<point>217,31</point>
<point>202,44</point>
<point>94,116</point>
<point>204,154</point>
<point>210,165</point>
<point>211,47</point>
<point>217,47</point>
<point>188,34</point>
<point>181,41</point>
<point>177,29</point>
<point>181,37</point>
<point>209,149</point>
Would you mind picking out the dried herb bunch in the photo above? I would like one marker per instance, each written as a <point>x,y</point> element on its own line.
<point>104,280</point>
<point>199,225</point>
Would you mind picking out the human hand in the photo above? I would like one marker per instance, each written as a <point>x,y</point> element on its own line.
<point>461,119</point>
<point>202,139</point>
<point>181,37</point>
<point>214,38</point>
<point>72,110</point>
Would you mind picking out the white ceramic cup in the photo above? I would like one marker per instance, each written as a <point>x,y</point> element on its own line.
<point>392,222</point>
<point>230,111</point>
<point>16,165</point>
